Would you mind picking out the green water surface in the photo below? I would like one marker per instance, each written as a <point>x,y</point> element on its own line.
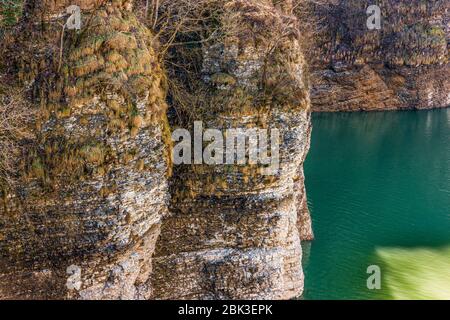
<point>379,193</point>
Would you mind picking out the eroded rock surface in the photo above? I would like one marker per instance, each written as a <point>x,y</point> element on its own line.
<point>404,65</point>
<point>92,182</point>
<point>232,232</point>
<point>83,219</point>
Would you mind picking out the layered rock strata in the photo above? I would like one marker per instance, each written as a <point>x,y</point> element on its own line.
<point>403,65</point>
<point>233,232</point>
<point>84,216</point>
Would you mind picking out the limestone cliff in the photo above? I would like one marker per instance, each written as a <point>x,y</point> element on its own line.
<point>404,65</point>
<point>232,232</point>
<point>91,184</point>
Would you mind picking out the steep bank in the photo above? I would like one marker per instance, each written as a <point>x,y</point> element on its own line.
<point>404,65</point>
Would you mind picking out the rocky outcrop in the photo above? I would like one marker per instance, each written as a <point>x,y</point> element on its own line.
<point>404,65</point>
<point>84,216</point>
<point>232,232</point>
<point>91,213</point>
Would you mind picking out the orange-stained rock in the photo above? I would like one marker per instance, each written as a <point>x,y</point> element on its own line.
<point>404,65</point>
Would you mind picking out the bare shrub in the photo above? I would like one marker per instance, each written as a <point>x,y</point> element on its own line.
<point>184,28</point>
<point>15,115</point>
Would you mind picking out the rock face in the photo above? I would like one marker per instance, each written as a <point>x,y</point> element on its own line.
<point>232,232</point>
<point>92,183</point>
<point>92,215</point>
<point>404,65</point>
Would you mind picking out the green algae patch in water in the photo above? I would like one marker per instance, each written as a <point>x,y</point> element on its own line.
<point>415,274</point>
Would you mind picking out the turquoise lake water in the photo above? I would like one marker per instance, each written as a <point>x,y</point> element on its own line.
<point>378,189</point>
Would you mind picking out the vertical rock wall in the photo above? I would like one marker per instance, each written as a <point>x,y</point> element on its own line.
<point>232,232</point>
<point>92,183</point>
<point>404,65</point>
<point>83,219</point>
